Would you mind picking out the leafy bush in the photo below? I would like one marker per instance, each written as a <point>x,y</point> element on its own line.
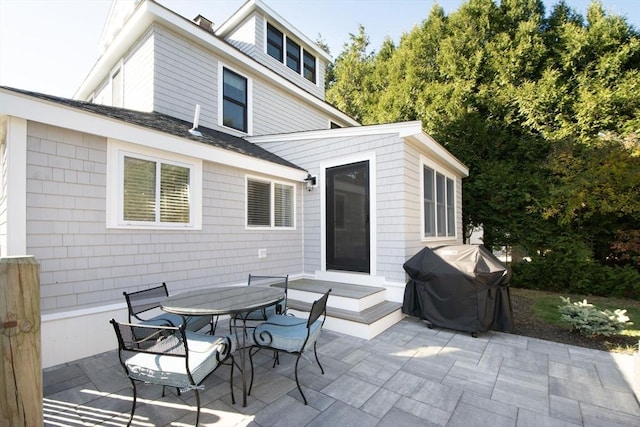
<point>571,270</point>
<point>587,320</point>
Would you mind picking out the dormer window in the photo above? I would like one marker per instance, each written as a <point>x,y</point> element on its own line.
<point>309,67</point>
<point>275,46</point>
<point>285,50</point>
<point>293,55</point>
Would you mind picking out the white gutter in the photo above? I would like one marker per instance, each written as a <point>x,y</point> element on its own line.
<point>51,113</point>
<point>149,12</point>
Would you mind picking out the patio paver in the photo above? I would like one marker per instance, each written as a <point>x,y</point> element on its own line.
<point>409,375</point>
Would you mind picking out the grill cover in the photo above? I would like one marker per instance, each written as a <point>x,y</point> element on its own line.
<point>461,287</point>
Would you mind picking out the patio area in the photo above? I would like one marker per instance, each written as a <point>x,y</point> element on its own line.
<point>407,376</point>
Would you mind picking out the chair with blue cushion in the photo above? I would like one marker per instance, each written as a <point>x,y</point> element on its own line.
<point>291,334</point>
<point>263,314</point>
<point>150,299</point>
<point>281,307</point>
<point>170,356</point>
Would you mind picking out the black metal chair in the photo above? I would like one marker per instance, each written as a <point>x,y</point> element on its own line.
<point>291,334</point>
<point>264,313</point>
<point>280,308</point>
<point>170,356</point>
<point>150,299</point>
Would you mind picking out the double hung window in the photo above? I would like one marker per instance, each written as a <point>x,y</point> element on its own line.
<point>309,65</point>
<point>275,46</point>
<point>284,49</point>
<point>293,55</point>
<point>234,100</point>
<point>438,204</point>
<point>269,204</point>
<point>147,189</point>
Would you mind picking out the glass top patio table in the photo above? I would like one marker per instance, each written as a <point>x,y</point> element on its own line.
<point>222,300</point>
<point>230,300</point>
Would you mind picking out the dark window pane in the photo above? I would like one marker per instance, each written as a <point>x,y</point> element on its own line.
<point>293,56</point>
<point>451,214</point>
<point>309,62</point>
<point>429,203</point>
<point>234,106</point>
<point>274,42</point>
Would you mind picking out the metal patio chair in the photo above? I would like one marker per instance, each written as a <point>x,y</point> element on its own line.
<point>150,299</point>
<point>170,356</point>
<point>291,334</point>
<point>264,313</point>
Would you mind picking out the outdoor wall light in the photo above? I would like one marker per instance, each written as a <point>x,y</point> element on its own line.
<point>310,182</point>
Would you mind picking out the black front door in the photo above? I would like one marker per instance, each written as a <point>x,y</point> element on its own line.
<point>348,217</point>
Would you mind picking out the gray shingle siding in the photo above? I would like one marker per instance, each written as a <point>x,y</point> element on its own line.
<point>84,264</point>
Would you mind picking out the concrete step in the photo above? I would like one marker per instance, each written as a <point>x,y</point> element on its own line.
<point>356,310</point>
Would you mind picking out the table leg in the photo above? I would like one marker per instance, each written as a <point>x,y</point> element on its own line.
<point>243,356</point>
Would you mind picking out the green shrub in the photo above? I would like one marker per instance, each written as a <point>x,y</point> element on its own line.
<point>587,320</point>
<point>571,271</point>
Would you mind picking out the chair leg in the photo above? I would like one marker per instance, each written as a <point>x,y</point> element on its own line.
<point>298,382</point>
<point>251,363</point>
<point>233,398</point>
<point>214,325</point>
<point>133,405</point>
<point>317,360</point>
<point>198,402</point>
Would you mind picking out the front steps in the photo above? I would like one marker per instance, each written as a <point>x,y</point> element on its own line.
<point>355,310</point>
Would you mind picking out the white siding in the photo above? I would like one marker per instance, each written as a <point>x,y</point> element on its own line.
<point>244,37</point>
<point>398,196</point>
<point>276,112</point>
<point>139,75</point>
<point>185,75</point>
<point>84,264</point>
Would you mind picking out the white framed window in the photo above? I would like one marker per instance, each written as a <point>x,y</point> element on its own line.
<point>234,102</point>
<point>438,202</point>
<point>270,204</point>
<point>289,52</point>
<point>149,188</point>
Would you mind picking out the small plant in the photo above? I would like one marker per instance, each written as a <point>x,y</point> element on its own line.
<point>587,320</point>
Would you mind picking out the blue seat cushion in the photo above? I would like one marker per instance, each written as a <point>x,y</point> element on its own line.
<point>170,370</point>
<point>194,323</point>
<point>286,333</point>
<point>262,314</point>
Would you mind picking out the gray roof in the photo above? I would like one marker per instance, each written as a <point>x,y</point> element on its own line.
<point>167,124</point>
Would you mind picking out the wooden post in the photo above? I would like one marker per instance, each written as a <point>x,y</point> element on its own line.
<point>20,348</point>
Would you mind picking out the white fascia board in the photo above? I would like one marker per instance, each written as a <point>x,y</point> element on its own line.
<point>407,130</point>
<point>403,129</point>
<point>53,114</point>
<point>259,6</point>
<point>150,12</point>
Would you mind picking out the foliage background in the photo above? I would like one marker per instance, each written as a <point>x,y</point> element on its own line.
<point>544,110</point>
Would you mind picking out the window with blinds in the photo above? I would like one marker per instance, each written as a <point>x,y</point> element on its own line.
<point>438,204</point>
<point>269,204</point>
<point>156,192</point>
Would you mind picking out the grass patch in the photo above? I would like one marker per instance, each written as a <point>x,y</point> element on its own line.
<point>545,306</point>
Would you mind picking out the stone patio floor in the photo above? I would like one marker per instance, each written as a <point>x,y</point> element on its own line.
<point>409,375</point>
